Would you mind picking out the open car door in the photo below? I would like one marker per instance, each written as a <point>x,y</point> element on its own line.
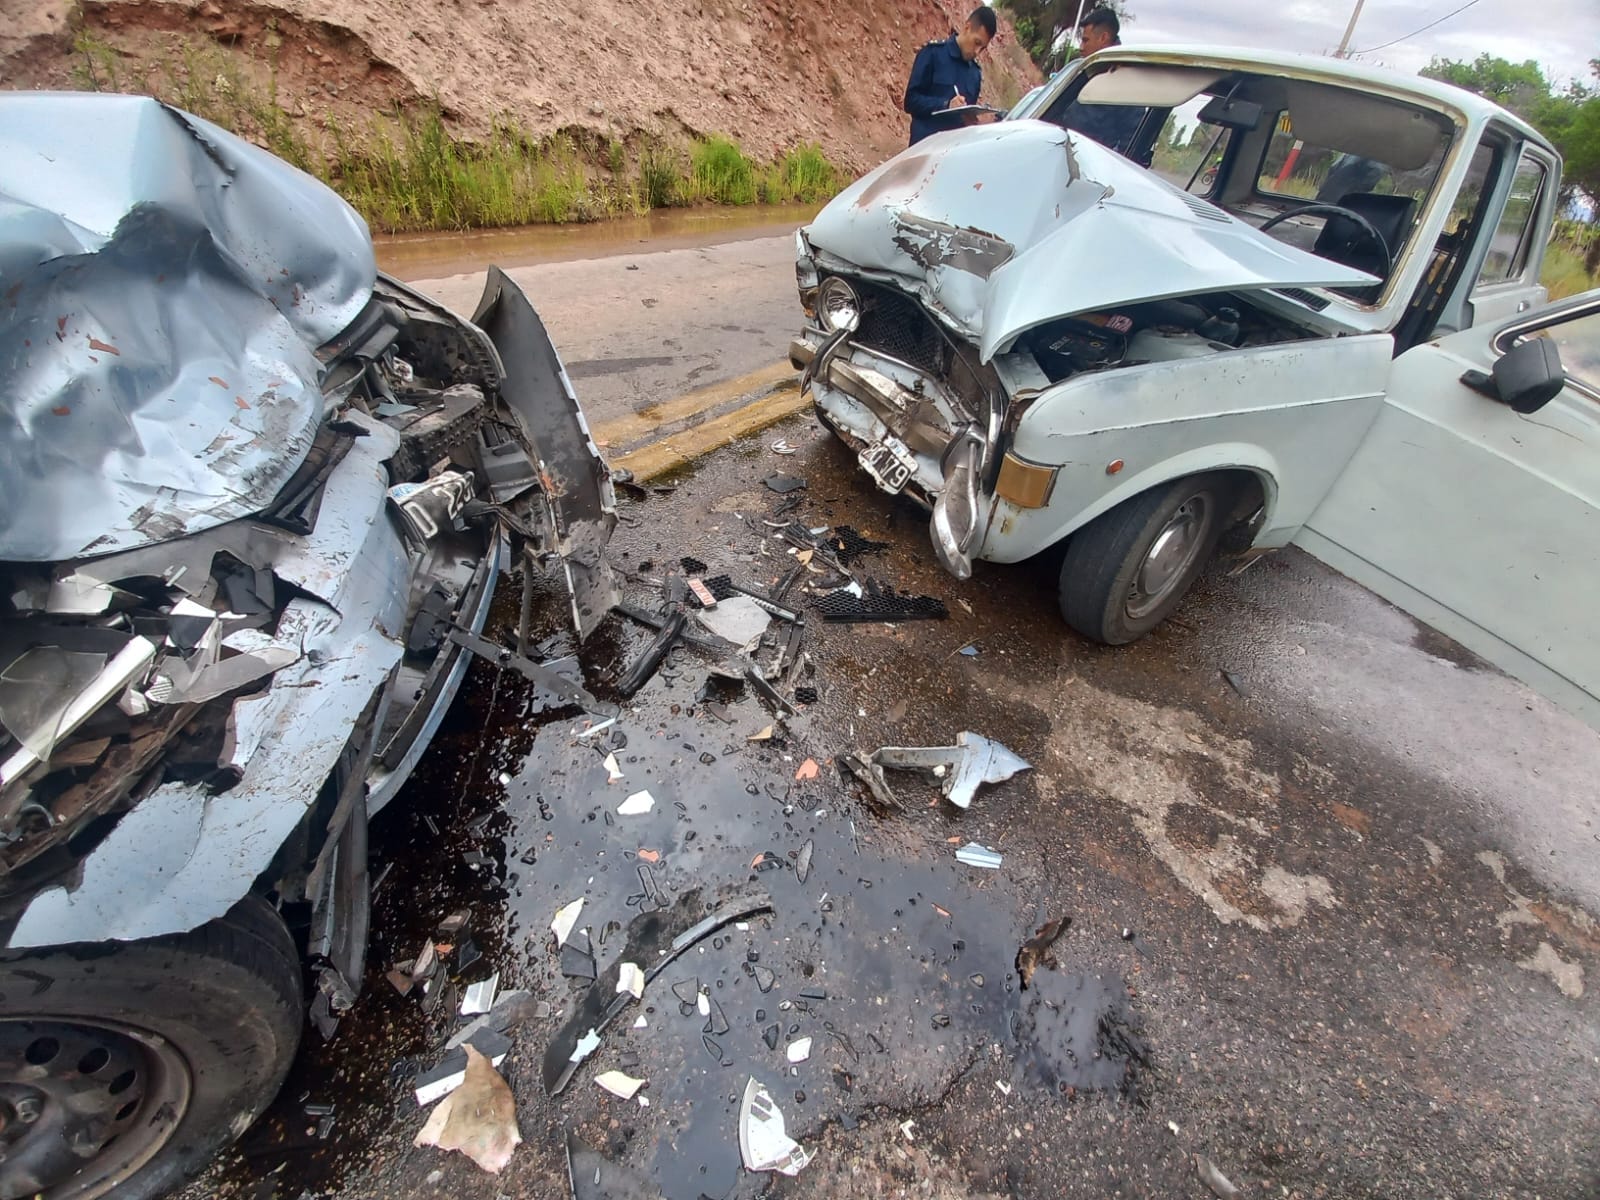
<point>1474,501</point>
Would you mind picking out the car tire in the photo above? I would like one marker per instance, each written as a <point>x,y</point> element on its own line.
<point>166,1049</point>
<point>1126,570</point>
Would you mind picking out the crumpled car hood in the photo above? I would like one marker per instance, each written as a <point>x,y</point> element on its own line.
<point>122,220</point>
<point>1000,228</point>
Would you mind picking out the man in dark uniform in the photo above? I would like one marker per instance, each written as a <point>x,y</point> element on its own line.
<point>1112,125</point>
<point>947,74</point>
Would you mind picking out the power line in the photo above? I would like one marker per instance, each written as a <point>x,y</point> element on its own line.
<point>1424,29</point>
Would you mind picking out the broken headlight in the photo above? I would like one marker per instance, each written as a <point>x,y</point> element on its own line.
<point>838,305</point>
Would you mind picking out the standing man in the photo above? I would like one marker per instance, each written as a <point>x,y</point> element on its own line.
<point>946,74</point>
<point>1113,125</point>
<point>1100,30</point>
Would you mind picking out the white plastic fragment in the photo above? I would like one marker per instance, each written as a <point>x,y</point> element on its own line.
<point>566,919</point>
<point>613,771</point>
<point>702,1003</point>
<point>764,1143</point>
<point>799,1050</point>
<point>644,1101</point>
<point>630,979</point>
<point>594,729</point>
<point>906,1127</point>
<point>975,855</point>
<point>587,1045</point>
<point>1005,1088</point>
<point>619,1085</point>
<point>636,805</point>
<point>479,997</point>
<point>639,1022</point>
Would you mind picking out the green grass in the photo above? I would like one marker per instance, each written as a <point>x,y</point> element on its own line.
<point>1564,272</point>
<point>406,171</point>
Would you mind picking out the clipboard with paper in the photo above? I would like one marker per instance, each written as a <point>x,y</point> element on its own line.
<point>970,114</point>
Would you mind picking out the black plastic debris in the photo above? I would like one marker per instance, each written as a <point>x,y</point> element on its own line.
<point>721,587</point>
<point>646,665</point>
<point>805,695</point>
<point>848,545</point>
<point>648,942</point>
<point>784,484</point>
<point>716,1022</point>
<point>467,953</point>
<point>692,566</point>
<point>575,964</point>
<point>686,990</point>
<point>879,602</point>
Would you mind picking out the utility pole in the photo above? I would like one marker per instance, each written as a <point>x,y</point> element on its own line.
<point>1344,43</point>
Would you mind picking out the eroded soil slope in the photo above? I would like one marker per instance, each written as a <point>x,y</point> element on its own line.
<point>770,73</point>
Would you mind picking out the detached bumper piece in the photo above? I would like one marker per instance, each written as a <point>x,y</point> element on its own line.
<point>878,602</point>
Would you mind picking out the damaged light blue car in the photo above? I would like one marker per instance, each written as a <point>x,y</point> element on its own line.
<point>254,500</point>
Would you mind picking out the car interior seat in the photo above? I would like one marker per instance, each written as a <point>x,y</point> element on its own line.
<point>1343,241</point>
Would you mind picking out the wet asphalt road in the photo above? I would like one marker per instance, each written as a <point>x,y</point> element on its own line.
<point>1330,885</point>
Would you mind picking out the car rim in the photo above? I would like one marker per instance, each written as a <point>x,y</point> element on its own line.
<point>1166,564</point>
<point>83,1105</point>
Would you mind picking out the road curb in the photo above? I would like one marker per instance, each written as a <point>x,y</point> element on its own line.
<point>648,452</point>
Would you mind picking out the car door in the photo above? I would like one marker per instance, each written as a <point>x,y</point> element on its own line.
<point>1480,521</point>
<point>1508,279</point>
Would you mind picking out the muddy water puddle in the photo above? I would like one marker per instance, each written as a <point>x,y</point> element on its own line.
<point>879,972</point>
<point>436,256</point>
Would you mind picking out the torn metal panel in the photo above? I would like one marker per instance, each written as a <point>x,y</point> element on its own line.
<point>973,760</point>
<point>125,220</point>
<point>577,483</point>
<point>161,869</point>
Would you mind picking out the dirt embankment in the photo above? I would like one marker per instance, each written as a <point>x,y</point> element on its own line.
<point>769,73</point>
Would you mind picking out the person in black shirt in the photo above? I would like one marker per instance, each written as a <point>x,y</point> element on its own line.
<point>946,74</point>
<point>1111,125</point>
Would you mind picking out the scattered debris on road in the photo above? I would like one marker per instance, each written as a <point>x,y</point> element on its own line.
<point>1036,949</point>
<point>1214,1179</point>
<point>975,855</point>
<point>764,1143</point>
<point>478,1119</point>
<point>973,760</point>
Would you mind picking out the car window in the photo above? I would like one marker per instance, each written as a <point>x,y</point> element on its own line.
<point>1508,249</point>
<point>1190,156</point>
<point>1579,343</point>
<point>1298,169</point>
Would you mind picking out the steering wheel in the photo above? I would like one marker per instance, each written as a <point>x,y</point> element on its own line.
<point>1366,226</point>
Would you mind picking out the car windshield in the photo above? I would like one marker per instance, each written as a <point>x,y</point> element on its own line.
<point>1264,147</point>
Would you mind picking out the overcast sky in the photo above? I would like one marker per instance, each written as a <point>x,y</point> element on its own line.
<point>1562,35</point>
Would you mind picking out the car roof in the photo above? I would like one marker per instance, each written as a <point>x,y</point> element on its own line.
<point>1324,69</point>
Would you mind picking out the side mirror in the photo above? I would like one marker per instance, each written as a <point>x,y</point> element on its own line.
<point>1525,378</point>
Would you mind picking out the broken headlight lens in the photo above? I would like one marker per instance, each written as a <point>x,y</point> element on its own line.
<point>838,305</point>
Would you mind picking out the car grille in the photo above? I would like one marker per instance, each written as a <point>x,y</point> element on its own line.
<point>895,325</point>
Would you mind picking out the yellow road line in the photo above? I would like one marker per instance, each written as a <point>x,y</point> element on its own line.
<point>674,451</point>
<point>624,431</point>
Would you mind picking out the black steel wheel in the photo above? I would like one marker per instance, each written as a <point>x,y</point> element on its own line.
<point>1127,569</point>
<point>124,1067</point>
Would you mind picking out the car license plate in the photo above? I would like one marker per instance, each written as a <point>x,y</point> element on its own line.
<point>890,462</point>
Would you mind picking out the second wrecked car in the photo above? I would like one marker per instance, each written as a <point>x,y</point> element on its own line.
<point>1050,345</point>
<point>256,496</point>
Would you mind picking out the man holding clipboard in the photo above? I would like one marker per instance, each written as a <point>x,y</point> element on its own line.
<point>942,92</point>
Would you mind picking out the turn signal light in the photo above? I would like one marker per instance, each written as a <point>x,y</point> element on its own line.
<point>1025,484</point>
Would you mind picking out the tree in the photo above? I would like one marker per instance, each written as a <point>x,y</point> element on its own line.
<point>1043,27</point>
<point>1569,118</point>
